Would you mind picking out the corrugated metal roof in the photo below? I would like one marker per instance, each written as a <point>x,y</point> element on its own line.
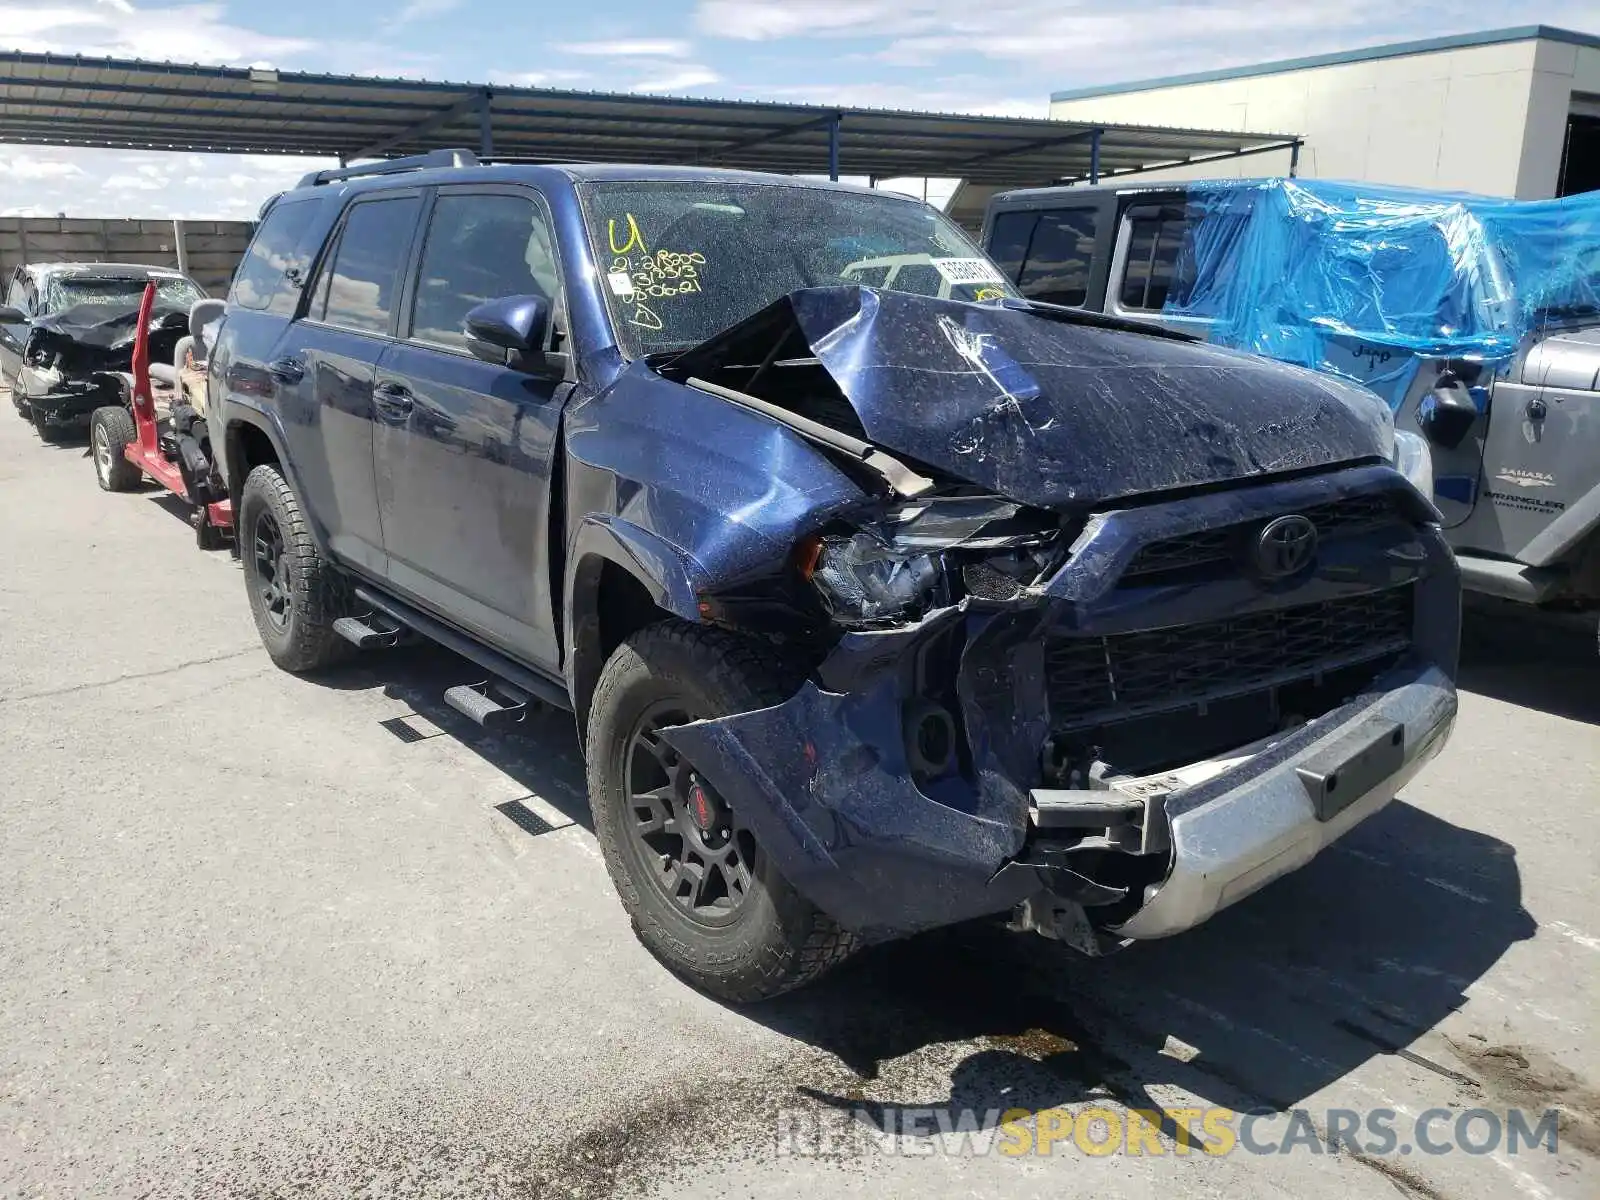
<point>131,104</point>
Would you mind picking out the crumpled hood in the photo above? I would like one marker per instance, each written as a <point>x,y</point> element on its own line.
<point>1050,411</point>
<point>104,326</point>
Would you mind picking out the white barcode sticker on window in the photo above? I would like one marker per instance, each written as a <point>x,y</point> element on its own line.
<point>621,283</point>
<point>968,270</point>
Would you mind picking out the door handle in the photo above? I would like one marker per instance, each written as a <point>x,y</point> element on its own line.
<point>287,370</point>
<point>393,399</point>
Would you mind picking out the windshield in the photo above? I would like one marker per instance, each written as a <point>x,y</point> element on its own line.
<point>684,261</point>
<point>62,292</point>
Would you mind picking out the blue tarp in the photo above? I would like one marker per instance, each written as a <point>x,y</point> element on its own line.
<point>1364,280</point>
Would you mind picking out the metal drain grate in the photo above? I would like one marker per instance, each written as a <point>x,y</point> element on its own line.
<point>524,818</point>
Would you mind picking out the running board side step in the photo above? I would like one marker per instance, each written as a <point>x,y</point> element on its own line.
<point>492,704</point>
<point>536,685</point>
<point>370,632</point>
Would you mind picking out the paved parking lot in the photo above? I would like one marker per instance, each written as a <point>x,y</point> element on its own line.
<point>268,936</point>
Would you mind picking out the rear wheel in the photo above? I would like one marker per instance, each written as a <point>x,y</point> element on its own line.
<point>703,896</point>
<point>295,593</point>
<point>111,432</point>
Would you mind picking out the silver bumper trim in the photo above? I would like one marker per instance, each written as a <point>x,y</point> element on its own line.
<point>1266,825</point>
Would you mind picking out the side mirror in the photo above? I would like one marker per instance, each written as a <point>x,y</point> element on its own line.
<point>1447,413</point>
<point>511,331</point>
<point>12,316</point>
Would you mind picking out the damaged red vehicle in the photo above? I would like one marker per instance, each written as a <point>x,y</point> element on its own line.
<point>884,598</point>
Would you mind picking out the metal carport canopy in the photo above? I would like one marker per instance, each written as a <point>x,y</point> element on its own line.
<point>135,105</point>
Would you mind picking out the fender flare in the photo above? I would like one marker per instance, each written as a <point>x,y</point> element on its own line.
<point>1566,533</point>
<point>234,415</point>
<point>670,576</point>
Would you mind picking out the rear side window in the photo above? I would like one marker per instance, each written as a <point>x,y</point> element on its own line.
<point>480,247</point>
<point>1009,237</point>
<point>360,286</point>
<point>1149,276</point>
<point>1059,257</point>
<point>272,256</point>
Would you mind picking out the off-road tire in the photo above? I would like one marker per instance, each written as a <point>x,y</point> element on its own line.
<point>779,941</point>
<point>317,593</point>
<point>115,425</point>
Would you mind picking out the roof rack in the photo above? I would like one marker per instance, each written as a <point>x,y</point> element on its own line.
<point>394,166</point>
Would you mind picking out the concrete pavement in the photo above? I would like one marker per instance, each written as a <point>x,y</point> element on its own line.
<point>269,936</point>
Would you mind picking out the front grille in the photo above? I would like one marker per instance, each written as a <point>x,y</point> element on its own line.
<point>1095,680</point>
<point>1334,519</point>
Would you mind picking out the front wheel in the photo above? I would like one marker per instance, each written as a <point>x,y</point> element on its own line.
<point>295,593</point>
<point>111,432</point>
<point>702,895</point>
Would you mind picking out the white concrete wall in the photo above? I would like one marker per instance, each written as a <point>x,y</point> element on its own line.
<point>1562,74</point>
<point>1487,119</point>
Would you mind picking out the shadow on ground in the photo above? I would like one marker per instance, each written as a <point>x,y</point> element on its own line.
<point>543,756</point>
<point>1528,659</point>
<point>1355,956</point>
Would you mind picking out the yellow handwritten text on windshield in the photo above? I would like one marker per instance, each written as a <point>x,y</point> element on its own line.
<point>634,241</point>
<point>650,277</point>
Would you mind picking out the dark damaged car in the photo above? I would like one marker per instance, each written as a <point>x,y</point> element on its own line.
<point>884,598</point>
<point>67,333</point>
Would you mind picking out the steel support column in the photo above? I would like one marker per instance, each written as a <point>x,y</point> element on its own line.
<point>180,247</point>
<point>486,125</point>
<point>1294,159</point>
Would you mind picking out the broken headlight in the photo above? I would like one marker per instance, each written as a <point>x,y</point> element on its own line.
<point>862,578</point>
<point>929,552</point>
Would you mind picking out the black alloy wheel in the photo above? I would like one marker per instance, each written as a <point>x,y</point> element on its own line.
<point>272,571</point>
<point>690,842</point>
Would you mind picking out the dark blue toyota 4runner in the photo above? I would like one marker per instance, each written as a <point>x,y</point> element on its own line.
<point>884,598</point>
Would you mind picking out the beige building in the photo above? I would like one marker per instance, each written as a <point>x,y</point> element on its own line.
<point>1512,112</point>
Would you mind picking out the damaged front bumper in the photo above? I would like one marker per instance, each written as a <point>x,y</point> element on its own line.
<point>73,401</point>
<point>1272,814</point>
<point>836,788</point>
<point>838,810</point>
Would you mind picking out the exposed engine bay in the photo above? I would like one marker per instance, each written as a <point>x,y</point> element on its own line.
<point>75,360</point>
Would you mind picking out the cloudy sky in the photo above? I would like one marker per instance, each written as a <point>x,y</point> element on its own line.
<point>991,56</point>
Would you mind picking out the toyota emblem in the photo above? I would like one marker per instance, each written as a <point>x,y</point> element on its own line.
<point>1286,546</point>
